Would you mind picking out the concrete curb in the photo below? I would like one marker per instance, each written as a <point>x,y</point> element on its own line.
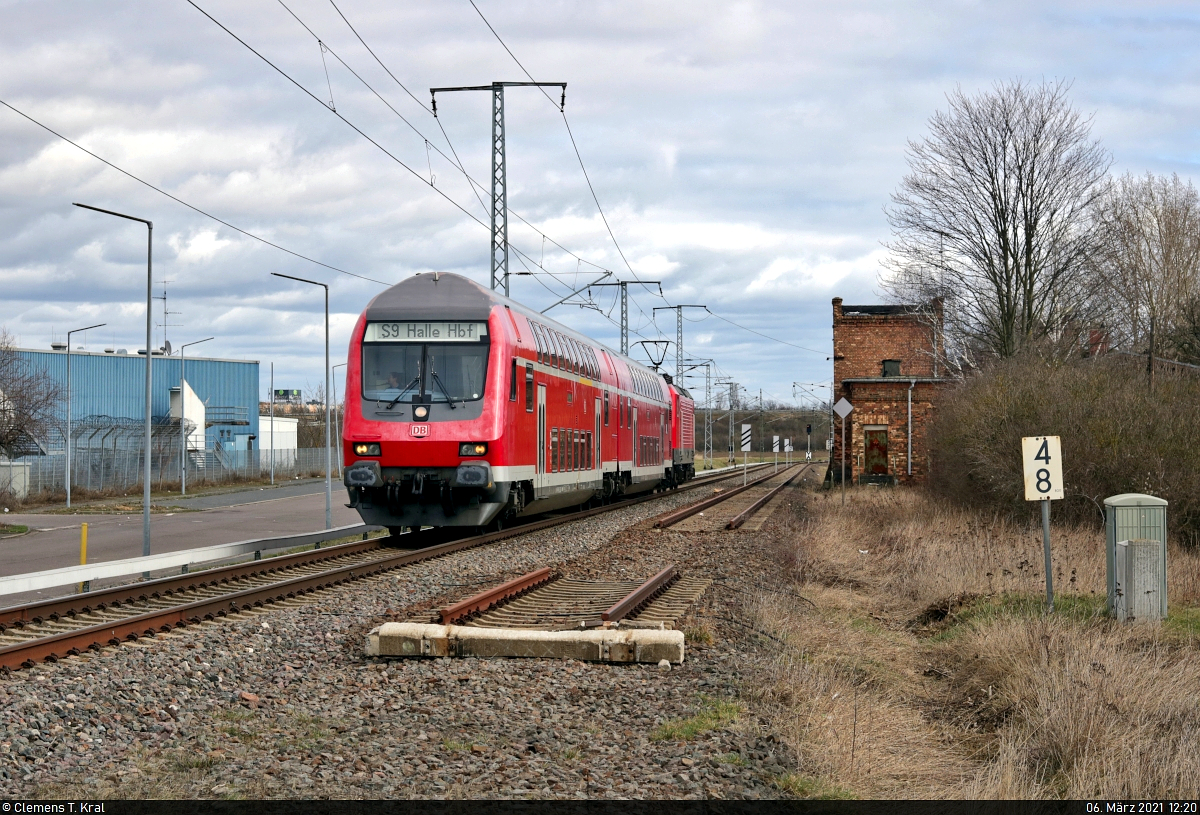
<point>596,645</point>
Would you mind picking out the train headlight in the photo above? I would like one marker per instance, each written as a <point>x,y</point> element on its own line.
<point>421,413</point>
<point>472,448</point>
<point>364,449</point>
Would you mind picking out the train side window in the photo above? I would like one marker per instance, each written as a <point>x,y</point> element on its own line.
<point>561,356</point>
<point>606,408</point>
<point>552,341</point>
<point>574,348</point>
<point>512,385</point>
<point>554,449</point>
<point>595,364</point>
<point>529,387</point>
<point>578,450</point>
<point>537,340</point>
<point>569,353</point>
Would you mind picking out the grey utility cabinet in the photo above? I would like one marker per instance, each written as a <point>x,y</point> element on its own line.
<point>1134,517</point>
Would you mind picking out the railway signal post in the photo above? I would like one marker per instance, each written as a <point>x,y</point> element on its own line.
<point>1042,459</point>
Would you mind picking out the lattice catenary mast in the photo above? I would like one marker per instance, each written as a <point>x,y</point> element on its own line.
<point>499,253</point>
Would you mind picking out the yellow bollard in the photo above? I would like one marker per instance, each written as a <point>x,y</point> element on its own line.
<point>84,586</point>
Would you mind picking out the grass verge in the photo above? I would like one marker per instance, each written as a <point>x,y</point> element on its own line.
<point>926,664</point>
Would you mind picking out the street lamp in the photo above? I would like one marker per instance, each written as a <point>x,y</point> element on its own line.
<point>149,359</point>
<point>328,443</point>
<point>182,412</point>
<point>336,431</point>
<point>69,333</point>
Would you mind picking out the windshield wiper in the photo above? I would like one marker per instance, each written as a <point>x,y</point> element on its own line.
<point>407,388</point>
<point>449,398</point>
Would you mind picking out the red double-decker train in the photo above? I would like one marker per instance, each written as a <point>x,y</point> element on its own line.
<point>464,408</point>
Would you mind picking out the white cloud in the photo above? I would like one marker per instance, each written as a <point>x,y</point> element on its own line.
<point>199,247</point>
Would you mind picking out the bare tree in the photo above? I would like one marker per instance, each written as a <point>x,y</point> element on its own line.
<point>1147,267</point>
<point>994,214</point>
<point>28,401</point>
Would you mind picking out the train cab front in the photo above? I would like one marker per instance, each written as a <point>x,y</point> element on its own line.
<point>422,436</point>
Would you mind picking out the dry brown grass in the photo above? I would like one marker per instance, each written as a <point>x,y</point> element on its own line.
<point>925,665</point>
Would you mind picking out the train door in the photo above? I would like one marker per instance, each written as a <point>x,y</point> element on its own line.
<point>597,457</point>
<point>637,445</point>
<point>543,436</point>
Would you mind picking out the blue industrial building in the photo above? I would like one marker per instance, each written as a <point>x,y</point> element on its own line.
<point>113,385</point>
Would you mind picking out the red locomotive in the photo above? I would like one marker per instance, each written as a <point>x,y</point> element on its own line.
<point>464,408</point>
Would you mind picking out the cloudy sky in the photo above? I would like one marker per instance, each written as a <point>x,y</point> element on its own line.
<point>742,152</point>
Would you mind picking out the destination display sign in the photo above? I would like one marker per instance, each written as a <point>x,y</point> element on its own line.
<point>425,332</point>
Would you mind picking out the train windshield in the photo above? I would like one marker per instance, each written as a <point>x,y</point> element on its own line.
<point>429,371</point>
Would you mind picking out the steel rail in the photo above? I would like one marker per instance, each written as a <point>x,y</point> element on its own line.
<point>641,595</point>
<point>745,514</point>
<point>70,643</point>
<point>142,591</point>
<point>102,599</point>
<point>689,511</point>
<point>491,597</point>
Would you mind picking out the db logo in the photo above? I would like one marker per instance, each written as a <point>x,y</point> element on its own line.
<point>419,430</point>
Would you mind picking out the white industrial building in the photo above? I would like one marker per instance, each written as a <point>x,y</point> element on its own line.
<point>279,434</point>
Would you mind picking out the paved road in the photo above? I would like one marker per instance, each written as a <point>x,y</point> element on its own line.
<point>53,540</point>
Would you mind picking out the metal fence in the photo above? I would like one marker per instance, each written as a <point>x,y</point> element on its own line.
<point>103,469</point>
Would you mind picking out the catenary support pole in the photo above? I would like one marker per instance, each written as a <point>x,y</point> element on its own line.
<point>499,213</point>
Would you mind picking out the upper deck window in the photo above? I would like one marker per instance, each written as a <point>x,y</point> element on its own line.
<point>537,339</point>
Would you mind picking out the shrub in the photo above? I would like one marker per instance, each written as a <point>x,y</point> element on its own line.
<point>1118,435</point>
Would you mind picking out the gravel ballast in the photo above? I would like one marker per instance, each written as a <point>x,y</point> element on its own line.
<point>283,703</point>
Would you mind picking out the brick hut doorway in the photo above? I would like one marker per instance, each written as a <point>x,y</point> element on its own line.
<point>875,455</point>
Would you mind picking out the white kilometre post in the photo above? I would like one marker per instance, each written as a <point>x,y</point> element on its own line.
<point>745,452</point>
<point>1042,458</point>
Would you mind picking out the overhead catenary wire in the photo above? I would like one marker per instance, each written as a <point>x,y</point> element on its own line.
<point>593,191</point>
<point>179,200</point>
<point>574,145</point>
<point>456,161</point>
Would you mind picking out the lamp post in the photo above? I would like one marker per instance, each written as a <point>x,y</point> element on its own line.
<point>182,413</point>
<point>328,443</point>
<point>149,359</point>
<point>69,333</point>
<point>336,430</point>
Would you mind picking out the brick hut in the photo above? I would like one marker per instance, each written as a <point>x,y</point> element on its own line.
<point>885,363</point>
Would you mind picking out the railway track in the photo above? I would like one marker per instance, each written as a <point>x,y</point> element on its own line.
<point>731,508</point>
<point>54,629</point>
